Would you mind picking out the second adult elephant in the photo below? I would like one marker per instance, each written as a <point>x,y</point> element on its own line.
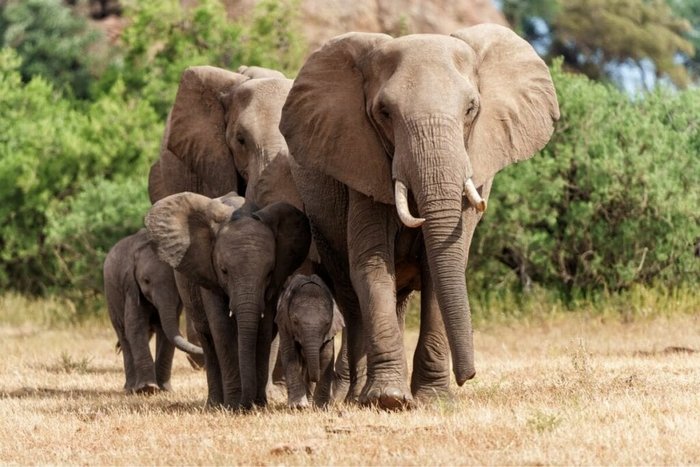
<point>240,256</point>
<point>434,117</point>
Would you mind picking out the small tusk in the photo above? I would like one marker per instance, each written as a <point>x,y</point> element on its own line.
<point>473,196</point>
<point>230,313</point>
<point>401,197</point>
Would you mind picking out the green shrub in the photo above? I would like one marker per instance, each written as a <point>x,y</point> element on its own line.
<point>82,229</point>
<point>53,43</point>
<point>51,148</point>
<point>611,201</point>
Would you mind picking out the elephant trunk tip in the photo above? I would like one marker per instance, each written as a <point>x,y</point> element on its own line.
<point>464,376</point>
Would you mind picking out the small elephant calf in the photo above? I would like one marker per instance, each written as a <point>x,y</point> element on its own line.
<point>308,320</point>
<point>142,298</point>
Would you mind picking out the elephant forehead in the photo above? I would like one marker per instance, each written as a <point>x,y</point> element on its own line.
<point>424,50</point>
<point>269,91</point>
<point>246,234</point>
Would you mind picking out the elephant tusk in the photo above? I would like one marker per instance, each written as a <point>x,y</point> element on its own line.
<point>401,196</point>
<point>230,313</point>
<point>473,196</point>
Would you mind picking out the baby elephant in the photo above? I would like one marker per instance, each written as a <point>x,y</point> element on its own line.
<point>142,299</point>
<point>308,319</point>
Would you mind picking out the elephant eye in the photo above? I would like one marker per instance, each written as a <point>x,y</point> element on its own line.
<point>224,271</point>
<point>472,108</point>
<point>384,111</point>
<point>241,140</point>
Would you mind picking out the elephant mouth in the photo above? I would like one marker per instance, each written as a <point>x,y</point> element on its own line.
<point>409,220</point>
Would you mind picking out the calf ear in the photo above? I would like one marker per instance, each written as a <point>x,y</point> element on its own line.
<point>337,324</point>
<point>292,238</point>
<point>183,228</point>
<point>282,316</point>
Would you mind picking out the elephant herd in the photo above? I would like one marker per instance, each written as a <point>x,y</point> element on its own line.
<point>317,205</point>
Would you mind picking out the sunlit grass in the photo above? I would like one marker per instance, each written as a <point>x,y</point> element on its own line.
<point>574,387</point>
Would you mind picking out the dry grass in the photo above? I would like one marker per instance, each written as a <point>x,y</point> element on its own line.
<point>564,389</point>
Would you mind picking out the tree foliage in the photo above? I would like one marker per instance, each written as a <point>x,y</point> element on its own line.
<point>51,146</point>
<point>73,173</point>
<point>52,43</point>
<point>611,201</point>
<point>596,37</point>
<point>690,11</point>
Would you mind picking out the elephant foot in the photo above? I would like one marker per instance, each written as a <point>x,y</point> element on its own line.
<point>299,404</point>
<point>276,392</point>
<point>166,386</point>
<point>430,394</point>
<point>387,396</point>
<point>147,389</point>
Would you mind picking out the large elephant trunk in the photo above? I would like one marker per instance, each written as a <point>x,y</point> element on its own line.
<point>433,164</point>
<point>248,312</point>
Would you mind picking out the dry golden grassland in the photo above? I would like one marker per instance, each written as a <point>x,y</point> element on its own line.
<point>563,388</point>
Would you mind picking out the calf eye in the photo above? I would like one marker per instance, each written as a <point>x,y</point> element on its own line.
<point>224,271</point>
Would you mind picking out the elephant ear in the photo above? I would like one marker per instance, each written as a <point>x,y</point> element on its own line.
<point>518,100</point>
<point>292,238</point>
<point>324,119</point>
<point>183,228</point>
<point>282,315</point>
<point>337,321</point>
<point>194,152</point>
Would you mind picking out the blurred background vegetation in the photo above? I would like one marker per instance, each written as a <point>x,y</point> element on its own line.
<point>612,204</point>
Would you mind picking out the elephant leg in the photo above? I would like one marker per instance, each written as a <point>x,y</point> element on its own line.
<point>371,235</point>
<point>294,371</point>
<point>224,337</point>
<point>215,391</point>
<point>137,329</point>
<point>326,202</point>
<point>129,366</point>
<point>431,360</point>
<point>165,351</point>
<point>194,315</point>
<point>355,352</point>
<point>341,377</point>
<point>196,361</point>
<point>275,379</point>
<point>322,391</point>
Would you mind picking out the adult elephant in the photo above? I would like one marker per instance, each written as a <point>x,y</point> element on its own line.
<point>240,256</point>
<point>435,117</point>
<point>222,136</point>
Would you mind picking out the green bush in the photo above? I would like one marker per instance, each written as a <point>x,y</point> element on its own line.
<point>51,148</point>
<point>82,229</point>
<point>611,201</point>
<point>53,43</point>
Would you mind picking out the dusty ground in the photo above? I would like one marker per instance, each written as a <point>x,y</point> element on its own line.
<point>565,390</point>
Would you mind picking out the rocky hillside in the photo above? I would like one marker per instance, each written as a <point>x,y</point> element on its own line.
<point>323,19</point>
